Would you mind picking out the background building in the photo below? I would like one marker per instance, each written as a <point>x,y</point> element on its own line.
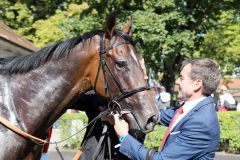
<point>12,44</point>
<point>233,85</point>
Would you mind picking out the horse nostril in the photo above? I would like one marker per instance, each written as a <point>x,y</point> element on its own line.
<point>152,121</point>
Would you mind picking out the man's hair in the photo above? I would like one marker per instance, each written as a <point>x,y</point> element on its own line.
<point>206,70</point>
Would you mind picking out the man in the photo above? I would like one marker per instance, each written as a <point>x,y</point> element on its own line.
<point>163,98</point>
<point>226,99</point>
<point>195,133</point>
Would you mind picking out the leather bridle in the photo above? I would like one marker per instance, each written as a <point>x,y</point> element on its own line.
<point>113,104</point>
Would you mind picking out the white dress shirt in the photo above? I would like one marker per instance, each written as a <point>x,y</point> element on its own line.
<point>165,97</point>
<point>187,107</point>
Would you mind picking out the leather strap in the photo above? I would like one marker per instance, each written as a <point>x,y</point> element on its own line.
<point>19,131</point>
<point>78,154</point>
<point>98,147</point>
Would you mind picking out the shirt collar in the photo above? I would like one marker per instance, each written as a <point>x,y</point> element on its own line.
<point>188,106</point>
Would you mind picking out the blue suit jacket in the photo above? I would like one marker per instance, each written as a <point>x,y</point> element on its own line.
<point>195,137</point>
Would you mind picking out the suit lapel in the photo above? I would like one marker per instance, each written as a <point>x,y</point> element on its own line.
<point>195,109</point>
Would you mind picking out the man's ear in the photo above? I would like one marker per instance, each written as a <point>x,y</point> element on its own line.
<point>110,25</point>
<point>128,27</point>
<point>198,84</point>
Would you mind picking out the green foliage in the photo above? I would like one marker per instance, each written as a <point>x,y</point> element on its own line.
<point>76,26</point>
<point>222,42</point>
<point>60,26</point>
<point>164,46</point>
<point>71,124</point>
<point>41,9</point>
<point>154,139</point>
<point>48,31</point>
<point>72,116</point>
<point>18,16</point>
<point>230,131</point>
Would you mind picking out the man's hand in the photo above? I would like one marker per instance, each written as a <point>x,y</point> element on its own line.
<point>120,125</point>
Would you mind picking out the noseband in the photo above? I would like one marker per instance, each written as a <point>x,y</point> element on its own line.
<point>113,104</point>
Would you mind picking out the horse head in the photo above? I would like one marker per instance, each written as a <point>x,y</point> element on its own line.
<point>123,77</point>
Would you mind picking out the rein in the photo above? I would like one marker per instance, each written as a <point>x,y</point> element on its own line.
<point>19,131</point>
<point>41,141</point>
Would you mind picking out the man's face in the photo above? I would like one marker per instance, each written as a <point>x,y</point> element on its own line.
<point>186,84</point>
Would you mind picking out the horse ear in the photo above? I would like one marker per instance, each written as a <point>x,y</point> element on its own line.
<point>110,25</point>
<point>128,27</point>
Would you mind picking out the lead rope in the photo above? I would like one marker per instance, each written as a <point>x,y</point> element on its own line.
<point>59,153</point>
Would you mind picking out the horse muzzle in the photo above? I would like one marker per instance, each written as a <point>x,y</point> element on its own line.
<point>137,125</point>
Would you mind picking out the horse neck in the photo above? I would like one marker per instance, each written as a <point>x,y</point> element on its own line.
<point>41,95</point>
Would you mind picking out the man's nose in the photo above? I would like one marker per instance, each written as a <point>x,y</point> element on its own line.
<point>177,81</point>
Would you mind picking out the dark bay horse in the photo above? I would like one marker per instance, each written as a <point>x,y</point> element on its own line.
<point>37,89</point>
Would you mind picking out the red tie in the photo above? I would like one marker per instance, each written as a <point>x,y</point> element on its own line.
<point>178,113</point>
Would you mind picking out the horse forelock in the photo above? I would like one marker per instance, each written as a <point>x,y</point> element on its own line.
<point>123,35</point>
<point>25,63</point>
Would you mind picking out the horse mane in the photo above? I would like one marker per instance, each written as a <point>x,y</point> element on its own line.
<point>25,63</point>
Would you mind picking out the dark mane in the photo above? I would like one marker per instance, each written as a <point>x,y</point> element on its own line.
<point>23,64</point>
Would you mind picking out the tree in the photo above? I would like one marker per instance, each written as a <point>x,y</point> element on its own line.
<point>62,25</point>
<point>165,31</point>
<point>17,16</point>
<point>222,42</point>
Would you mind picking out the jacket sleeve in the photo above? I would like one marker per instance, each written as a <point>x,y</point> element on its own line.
<point>135,150</point>
<point>166,116</point>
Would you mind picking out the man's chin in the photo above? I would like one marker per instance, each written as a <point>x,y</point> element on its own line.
<point>181,99</point>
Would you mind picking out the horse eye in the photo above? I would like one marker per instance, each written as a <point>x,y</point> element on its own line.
<point>121,65</point>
